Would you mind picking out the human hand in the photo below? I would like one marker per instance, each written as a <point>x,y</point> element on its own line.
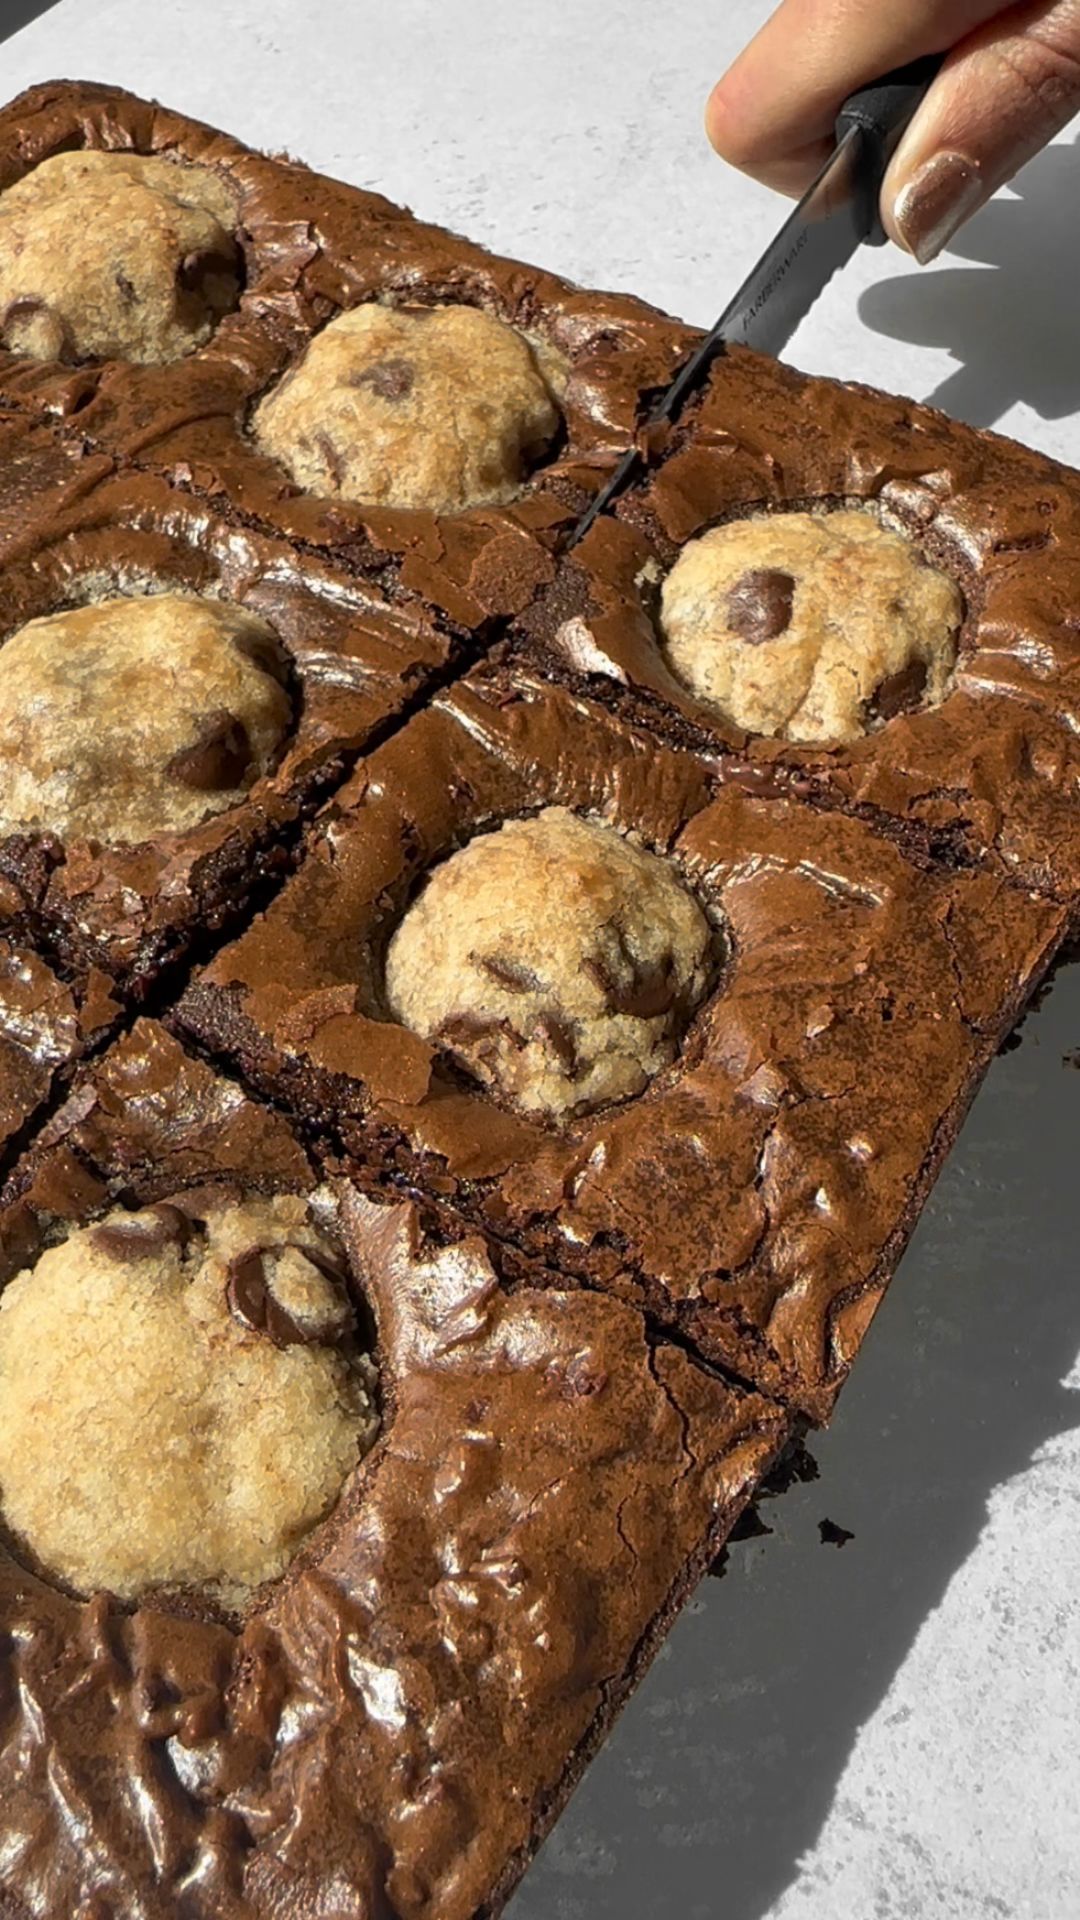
<point>1010,81</point>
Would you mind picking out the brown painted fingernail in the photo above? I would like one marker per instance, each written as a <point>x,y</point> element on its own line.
<point>935,201</point>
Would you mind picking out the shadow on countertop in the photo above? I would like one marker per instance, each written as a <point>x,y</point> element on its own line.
<point>19,13</point>
<point>1009,316</point>
<point>721,1774</point>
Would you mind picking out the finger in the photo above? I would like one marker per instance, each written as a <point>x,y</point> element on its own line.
<point>1002,94</point>
<point>772,114</point>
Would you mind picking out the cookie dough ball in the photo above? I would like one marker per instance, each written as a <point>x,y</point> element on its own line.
<point>813,627</point>
<point>555,960</point>
<point>115,256</point>
<point>441,407</point>
<point>133,717</point>
<point>180,1400</point>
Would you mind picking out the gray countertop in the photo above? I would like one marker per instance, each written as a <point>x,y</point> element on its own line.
<point>885,1728</point>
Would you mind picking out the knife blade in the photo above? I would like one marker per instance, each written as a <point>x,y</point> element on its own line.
<point>836,215</point>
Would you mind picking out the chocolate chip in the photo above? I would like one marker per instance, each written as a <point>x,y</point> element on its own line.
<point>652,991</point>
<point>250,1301</point>
<point>391,379</point>
<point>508,973</point>
<point>649,992</point>
<point>140,1239</point>
<point>555,1033</point>
<point>334,1271</point>
<point>471,1034</point>
<point>759,605</point>
<point>125,287</point>
<point>219,758</point>
<point>900,693</point>
<point>335,465</point>
<point>178,1225</point>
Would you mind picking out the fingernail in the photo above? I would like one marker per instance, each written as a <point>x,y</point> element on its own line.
<point>935,201</point>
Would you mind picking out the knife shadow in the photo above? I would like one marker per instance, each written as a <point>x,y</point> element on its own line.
<point>1008,317</point>
<point>719,1779</point>
<point>15,14</point>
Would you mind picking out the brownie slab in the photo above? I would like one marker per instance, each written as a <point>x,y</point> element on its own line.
<point>349,661</point>
<point>400,1717</point>
<point>758,1193</point>
<point>314,248</point>
<point>992,772</point>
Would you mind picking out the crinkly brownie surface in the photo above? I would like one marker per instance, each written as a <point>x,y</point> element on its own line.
<point>478,1019</point>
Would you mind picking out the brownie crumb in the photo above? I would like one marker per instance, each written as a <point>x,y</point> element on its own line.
<point>833,1535</point>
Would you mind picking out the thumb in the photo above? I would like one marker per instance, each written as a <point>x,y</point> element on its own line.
<point>1001,95</point>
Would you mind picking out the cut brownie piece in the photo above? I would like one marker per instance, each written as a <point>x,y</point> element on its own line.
<point>962,731</point>
<point>186,691</point>
<point>755,1192</point>
<point>397,1720</point>
<point>45,1027</point>
<point>340,284</point>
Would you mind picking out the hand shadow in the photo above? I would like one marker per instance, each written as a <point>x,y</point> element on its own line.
<point>1010,318</point>
<point>722,1773</point>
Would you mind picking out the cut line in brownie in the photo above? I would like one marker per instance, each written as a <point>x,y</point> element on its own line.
<point>402,1715</point>
<point>315,248</point>
<point>348,664</point>
<point>45,1028</point>
<point>757,1194</point>
<point>991,771</point>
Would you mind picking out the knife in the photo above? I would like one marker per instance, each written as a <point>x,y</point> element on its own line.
<point>835,216</point>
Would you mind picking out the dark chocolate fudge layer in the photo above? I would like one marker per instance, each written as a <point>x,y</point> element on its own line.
<point>140,799</point>
<point>757,1192</point>
<point>401,1716</point>
<point>976,759</point>
<point>314,250</point>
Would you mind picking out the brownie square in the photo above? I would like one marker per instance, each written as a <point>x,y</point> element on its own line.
<point>395,1723</point>
<point>315,247</point>
<point>758,1194</point>
<point>992,772</point>
<point>350,661</point>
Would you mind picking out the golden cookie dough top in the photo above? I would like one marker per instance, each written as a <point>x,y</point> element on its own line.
<point>135,716</point>
<point>442,407</point>
<point>557,961</point>
<point>179,1403</point>
<point>115,256</point>
<point>813,627</point>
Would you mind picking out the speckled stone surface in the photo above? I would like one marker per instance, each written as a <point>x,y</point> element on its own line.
<point>884,1729</point>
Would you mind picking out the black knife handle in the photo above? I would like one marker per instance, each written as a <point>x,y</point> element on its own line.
<point>882,111</point>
